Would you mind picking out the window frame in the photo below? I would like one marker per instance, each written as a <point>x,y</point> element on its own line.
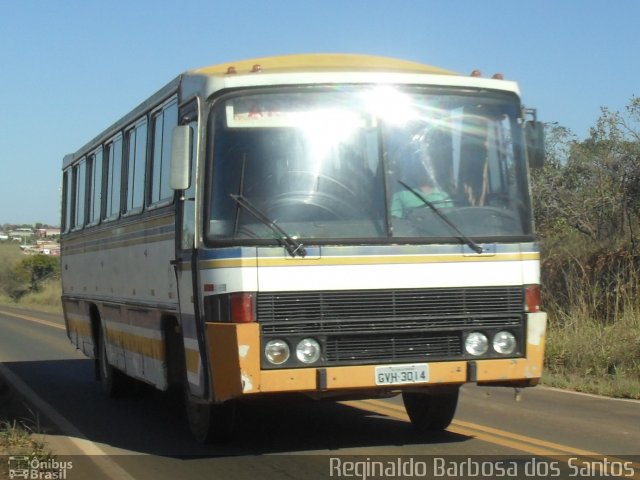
<point>127,209</point>
<point>107,215</point>
<point>157,113</point>
<point>67,199</point>
<point>210,167</point>
<point>93,220</point>
<point>79,223</point>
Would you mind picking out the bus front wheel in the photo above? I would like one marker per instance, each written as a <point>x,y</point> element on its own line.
<point>210,422</point>
<point>430,412</point>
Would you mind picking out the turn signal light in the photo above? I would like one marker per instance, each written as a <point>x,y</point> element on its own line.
<point>242,307</point>
<point>532,298</point>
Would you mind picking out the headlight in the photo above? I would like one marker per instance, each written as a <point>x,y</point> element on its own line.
<point>476,344</point>
<point>504,343</point>
<point>308,350</point>
<point>277,351</point>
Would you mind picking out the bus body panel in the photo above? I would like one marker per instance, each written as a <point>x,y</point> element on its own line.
<point>123,274</point>
<point>419,266</point>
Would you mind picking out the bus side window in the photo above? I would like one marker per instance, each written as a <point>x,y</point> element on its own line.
<point>136,162</point>
<point>80,188</point>
<point>163,123</point>
<point>187,238</point>
<point>95,187</point>
<point>67,199</point>
<point>113,182</point>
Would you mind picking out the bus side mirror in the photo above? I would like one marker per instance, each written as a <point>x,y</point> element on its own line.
<point>534,134</point>
<point>180,157</point>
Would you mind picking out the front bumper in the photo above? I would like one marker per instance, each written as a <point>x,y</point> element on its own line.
<point>235,367</point>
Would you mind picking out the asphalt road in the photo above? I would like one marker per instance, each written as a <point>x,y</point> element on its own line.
<point>145,436</point>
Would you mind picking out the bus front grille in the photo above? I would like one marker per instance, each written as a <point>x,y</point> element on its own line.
<point>397,348</point>
<point>431,303</point>
<point>387,326</point>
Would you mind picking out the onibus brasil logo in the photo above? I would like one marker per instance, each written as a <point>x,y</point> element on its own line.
<point>38,468</point>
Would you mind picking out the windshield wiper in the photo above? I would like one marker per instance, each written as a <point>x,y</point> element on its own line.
<point>472,245</point>
<point>291,245</point>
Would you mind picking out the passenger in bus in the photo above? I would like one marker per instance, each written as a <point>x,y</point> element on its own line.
<point>418,178</point>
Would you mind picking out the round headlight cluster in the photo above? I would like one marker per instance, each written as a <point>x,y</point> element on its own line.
<point>308,350</point>
<point>477,343</point>
<point>504,343</point>
<point>277,352</point>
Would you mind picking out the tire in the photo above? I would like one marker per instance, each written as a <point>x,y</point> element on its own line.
<point>211,423</point>
<point>430,412</point>
<point>208,422</point>
<point>114,383</point>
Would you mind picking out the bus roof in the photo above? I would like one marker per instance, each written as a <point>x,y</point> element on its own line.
<point>321,62</point>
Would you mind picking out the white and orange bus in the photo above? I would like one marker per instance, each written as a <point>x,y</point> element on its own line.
<point>339,226</point>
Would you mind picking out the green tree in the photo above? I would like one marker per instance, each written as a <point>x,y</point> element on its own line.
<point>551,194</point>
<point>587,209</point>
<point>34,269</point>
<point>592,186</point>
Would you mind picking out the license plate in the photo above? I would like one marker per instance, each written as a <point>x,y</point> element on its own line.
<point>402,374</point>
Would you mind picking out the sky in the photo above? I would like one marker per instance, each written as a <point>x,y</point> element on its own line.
<point>70,68</point>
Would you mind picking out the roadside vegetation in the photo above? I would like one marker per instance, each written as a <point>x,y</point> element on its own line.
<point>30,281</point>
<point>18,430</point>
<point>587,210</point>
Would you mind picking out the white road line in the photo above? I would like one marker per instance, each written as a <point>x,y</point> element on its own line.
<point>584,394</point>
<point>59,326</point>
<point>97,455</point>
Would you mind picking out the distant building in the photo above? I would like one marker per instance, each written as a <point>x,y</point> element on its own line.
<point>47,247</point>
<point>50,249</point>
<point>47,232</point>
<point>20,233</point>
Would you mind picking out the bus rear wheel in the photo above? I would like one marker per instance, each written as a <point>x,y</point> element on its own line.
<point>430,412</point>
<point>210,422</point>
<point>113,381</point>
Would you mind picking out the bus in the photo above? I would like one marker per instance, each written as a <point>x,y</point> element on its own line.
<point>332,225</point>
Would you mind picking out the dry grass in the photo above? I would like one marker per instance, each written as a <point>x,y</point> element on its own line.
<point>47,299</point>
<point>18,439</point>
<point>587,356</point>
<point>10,253</point>
<point>19,427</point>
<point>593,344</point>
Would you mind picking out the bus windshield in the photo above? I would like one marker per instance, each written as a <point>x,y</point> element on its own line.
<point>367,163</point>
